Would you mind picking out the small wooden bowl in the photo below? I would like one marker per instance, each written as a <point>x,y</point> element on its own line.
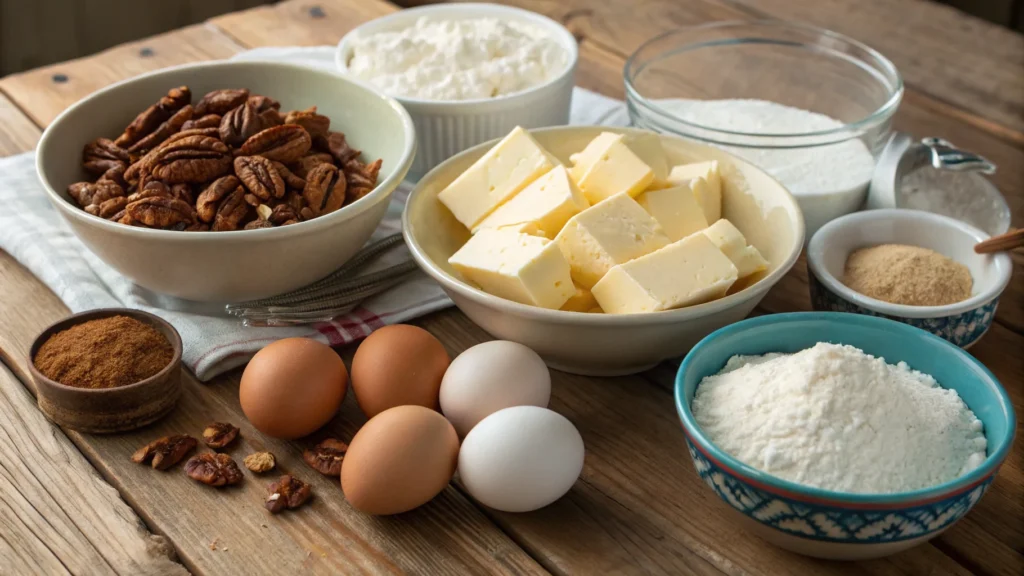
<point>108,410</point>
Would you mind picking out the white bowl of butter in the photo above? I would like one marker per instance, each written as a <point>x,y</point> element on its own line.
<point>673,286</point>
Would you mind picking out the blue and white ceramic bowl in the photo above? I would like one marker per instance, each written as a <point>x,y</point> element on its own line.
<point>839,525</point>
<point>962,323</point>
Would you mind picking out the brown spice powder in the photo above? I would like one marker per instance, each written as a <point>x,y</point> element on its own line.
<point>104,353</point>
<point>908,275</point>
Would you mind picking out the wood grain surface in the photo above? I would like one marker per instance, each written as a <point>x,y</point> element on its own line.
<point>638,507</point>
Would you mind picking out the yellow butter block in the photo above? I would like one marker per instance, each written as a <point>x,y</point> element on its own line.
<point>519,267</point>
<point>733,244</point>
<point>687,272</point>
<point>675,209</point>
<point>649,150</point>
<point>607,167</point>
<point>611,232</point>
<point>496,177</point>
<point>581,301</point>
<point>705,180</point>
<point>543,207</point>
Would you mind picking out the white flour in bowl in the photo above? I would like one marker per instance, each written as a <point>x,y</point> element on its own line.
<point>833,417</point>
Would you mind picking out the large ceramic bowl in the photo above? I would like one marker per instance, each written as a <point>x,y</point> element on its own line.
<point>962,323</point>
<point>838,525</point>
<point>607,344</point>
<point>240,265</point>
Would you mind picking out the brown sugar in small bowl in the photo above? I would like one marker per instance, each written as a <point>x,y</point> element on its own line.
<point>109,410</point>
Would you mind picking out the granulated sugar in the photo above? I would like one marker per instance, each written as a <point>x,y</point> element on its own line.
<point>836,418</point>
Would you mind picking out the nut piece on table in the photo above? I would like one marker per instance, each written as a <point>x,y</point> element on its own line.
<point>165,452</point>
<point>219,434</point>
<point>213,469</point>
<point>326,457</point>
<point>288,492</point>
<point>260,462</point>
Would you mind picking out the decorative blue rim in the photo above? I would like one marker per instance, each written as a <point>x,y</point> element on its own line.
<point>830,497</point>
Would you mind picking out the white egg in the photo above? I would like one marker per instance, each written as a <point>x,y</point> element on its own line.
<point>521,459</point>
<point>489,377</point>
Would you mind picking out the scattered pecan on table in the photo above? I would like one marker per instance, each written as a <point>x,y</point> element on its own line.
<point>230,161</point>
<point>288,492</point>
<point>326,456</point>
<point>260,462</point>
<point>165,452</point>
<point>213,469</point>
<point>219,434</point>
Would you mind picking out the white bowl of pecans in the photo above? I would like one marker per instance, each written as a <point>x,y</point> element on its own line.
<point>227,181</point>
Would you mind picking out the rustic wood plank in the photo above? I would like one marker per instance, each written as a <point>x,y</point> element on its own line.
<point>17,133</point>
<point>43,93</point>
<point>300,22</point>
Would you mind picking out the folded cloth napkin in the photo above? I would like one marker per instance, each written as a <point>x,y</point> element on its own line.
<point>33,233</point>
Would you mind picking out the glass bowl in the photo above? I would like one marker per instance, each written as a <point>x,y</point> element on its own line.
<point>827,163</point>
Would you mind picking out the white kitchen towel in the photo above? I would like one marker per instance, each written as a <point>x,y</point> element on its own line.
<point>33,233</point>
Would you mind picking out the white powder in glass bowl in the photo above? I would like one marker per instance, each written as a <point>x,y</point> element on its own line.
<point>835,418</point>
<point>464,59</point>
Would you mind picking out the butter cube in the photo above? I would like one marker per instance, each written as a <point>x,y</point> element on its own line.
<point>675,209</point>
<point>607,167</point>
<point>547,204</point>
<point>581,301</point>
<point>705,180</point>
<point>519,267</point>
<point>731,242</point>
<point>498,175</point>
<point>648,149</point>
<point>611,232</point>
<point>690,271</point>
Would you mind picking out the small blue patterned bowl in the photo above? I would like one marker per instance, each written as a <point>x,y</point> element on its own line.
<point>962,323</point>
<point>839,525</point>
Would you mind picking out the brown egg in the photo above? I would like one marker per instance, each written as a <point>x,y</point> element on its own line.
<point>399,460</point>
<point>396,366</point>
<point>292,387</point>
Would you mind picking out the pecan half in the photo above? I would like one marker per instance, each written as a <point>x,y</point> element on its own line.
<point>326,457</point>
<point>264,103</point>
<point>260,177</point>
<point>165,452</point>
<point>208,121</point>
<point>198,227</point>
<point>294,200</point>
<point>150,118</point>
<point>221,101</point>
<point>258,224</point>
<point>192,159</point>
<point>182,192</point>
<point>316,124</point>
<point>303,166</point>
<point>291,180</point>
<point>210,198</point>
<point>288,492</point>
<point>231,212</point>
<point>283,215</point>
<point>112,207</point>
<point>285,143</point>
<point>271,118</point>
<point>219,434</point>
<point>361,178</point>
<point>213,469</point>
<point>162,132</point>
<point>161,212</point>
<point>260,462</point>
<point>93,194</point>
<point>102,155</point>
<point>252,200</point>
<point>115,175</point>
<point>240,124</point>
<point>325,189</point>
<point>337,146</point>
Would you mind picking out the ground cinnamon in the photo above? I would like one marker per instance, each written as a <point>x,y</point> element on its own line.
<point>104,353</point>
<point>909,275</point>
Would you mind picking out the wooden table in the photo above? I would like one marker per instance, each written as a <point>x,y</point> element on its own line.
<point>73,503</point>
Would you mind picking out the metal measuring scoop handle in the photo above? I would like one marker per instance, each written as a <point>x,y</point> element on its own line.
<point>943,155</point>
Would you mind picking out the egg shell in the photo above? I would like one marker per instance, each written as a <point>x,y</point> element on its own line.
<point>396,366</point>
<point>399,460</point>
<point>292,387</point>
<point>489,377</point>
<point>521,459</point>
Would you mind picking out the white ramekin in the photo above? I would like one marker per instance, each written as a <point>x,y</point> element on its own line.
<point>445,128</point>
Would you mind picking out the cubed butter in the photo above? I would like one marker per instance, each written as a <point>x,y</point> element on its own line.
<point>519,267</point>
<point>687,272</point>
<point>648,149</point>
<point>607,167</point>
<point>675,209</point>
<point>611,232</point>
<point>732,243</point>
<point>496,177</point>
<point>546,204</point>
<point>581,301</point>
<point>705,180</point>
